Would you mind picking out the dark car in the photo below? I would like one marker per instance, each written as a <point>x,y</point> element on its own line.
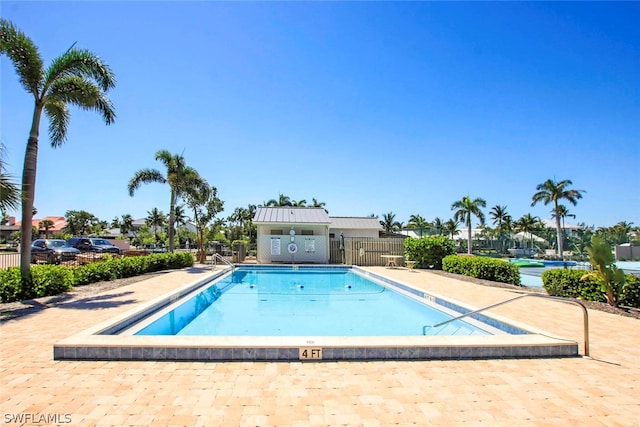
<point>52,251</point>
<point>94,244</point>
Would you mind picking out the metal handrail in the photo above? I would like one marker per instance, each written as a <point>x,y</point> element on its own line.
<point>563,299</point>
<point>217,256</point>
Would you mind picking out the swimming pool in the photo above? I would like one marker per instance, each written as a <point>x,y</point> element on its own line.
<point>116,338</point>
<point>305,302</point>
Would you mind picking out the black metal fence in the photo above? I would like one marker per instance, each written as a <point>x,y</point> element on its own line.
<point>12,259</point>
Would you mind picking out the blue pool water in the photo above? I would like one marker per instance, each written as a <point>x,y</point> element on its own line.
<point>313,302</point>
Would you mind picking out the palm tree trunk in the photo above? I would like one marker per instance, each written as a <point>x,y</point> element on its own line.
<point>559,233</point>
<point>469,244</point>
<point>28,192</point>
<point>172,219</point>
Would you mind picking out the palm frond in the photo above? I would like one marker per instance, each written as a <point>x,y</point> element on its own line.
<point>83,93</point>
<point>80,62</point>
<point>59,117</point>
<point>145,176</point>
<point>9,193</point>
<point>24,54</point>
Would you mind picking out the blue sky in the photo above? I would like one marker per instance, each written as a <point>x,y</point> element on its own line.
<point>370,107</point>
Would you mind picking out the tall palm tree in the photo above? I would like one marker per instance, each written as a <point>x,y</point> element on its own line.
<point>465,208</point>
<point>500,217</point>
<point>9,192</point>
<point>419,223</point>
<point>77,77</point>
<point>178,177</point>
<point>553,192</point>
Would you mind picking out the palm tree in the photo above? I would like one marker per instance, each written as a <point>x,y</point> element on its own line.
<point>282,201</point>
<point>528,224</point>
<point>178,176</point>
<point>299,203</point>
<point>419,223</point>
<point>126,224</point>
<point>563,213</point>
<point>389,222</point>
<point>450,227</point>
<point>316,204</point>
<point>45,224</point>
<point>466,208</point>
<point>156,219</point>
<point>438,224</point>
<point>500,217</point>
<point>9,192</point>
<point>551,191</point>
<point>79,78</point>
<point>204,201</point>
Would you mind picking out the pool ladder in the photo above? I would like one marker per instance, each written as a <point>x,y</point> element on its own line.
<point>217,257</point>
<point>562,299</point>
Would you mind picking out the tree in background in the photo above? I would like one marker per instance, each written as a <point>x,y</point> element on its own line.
<point>501,220</point>
<point>438,224</point>
<point>450,227</point>
<point>389,223</point>
<point>203,200</point>
<point>553,192</point>
<point>78,78</point>
<point>178,176</point>
<point>45,225</point>
<point>417,222</point>
<point>281,201</point>
<point>465,208</point>
<point>156,220</point>
<point>528,224</point>
<point>80,223</point>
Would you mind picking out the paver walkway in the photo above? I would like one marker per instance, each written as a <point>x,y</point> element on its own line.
<point>603,391</point>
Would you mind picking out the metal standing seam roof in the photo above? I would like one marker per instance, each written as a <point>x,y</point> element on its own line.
<point>359,223</point>
<point>289,215</point>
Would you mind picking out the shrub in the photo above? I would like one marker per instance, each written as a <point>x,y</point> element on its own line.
<point>631,292</point>
<point>568,283</point>
<point>54,279</point>
<point>482,268</point>
<point>428,252</point>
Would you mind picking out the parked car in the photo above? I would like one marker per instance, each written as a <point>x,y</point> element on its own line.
<point>94,244</point>
<point>52,251</point>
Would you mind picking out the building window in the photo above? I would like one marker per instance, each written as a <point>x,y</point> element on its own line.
<point>307,232</point>
<point>276,232</point>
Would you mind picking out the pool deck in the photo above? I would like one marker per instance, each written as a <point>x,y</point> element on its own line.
<point>598,391</point>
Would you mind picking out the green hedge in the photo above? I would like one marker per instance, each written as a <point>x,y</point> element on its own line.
<point>428,252</point>
<point>568,283</point>
<point>49,280</point>
<point>482,268</point>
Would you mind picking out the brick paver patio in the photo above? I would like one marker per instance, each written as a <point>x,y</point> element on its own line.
<point>601,391</point>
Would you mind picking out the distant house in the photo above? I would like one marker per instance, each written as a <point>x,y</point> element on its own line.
<point>303,234</point>
<point>292,234</point>
<point>59,222</point>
